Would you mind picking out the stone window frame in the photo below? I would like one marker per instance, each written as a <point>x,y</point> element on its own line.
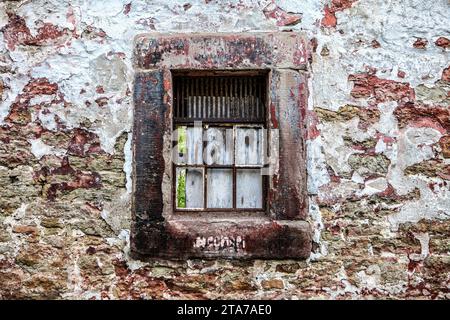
<point>157,231</point>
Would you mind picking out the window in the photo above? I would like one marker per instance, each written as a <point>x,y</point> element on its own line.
<point>220,142</point>
<point>219,146</point>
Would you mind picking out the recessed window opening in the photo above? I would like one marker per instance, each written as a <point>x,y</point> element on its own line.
<point>220,144</point>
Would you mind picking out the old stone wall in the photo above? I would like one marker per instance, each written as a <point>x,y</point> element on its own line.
<point>378,150</point>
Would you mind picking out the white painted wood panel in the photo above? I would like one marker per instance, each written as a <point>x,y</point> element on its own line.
<point>219,146</point>
<point>194,145</point>
<point>220,188</point>
<point>248,188</point>
<point>194,188</point>
<point>248,146</point>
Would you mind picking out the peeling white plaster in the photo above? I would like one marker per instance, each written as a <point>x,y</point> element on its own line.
<point>374,186</point>
<point>316,165</point>
<point>431,205</point>
<point>317,227</point>
<point>424,239</point>
<point>370,278</point>
<point>40,149</point>
<point>336,151</point>
<point>127,166</point>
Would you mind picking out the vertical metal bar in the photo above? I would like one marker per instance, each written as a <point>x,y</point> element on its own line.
<point>194,98</point>
<point>230,109</point>
<point>208,98</point>
<point>223,92</point>
<point>241,99</point>
<point>235,98</point>
<point>250,99</point>
<point>235,88</point>
<point>213,96</point>
<point>190,85</point>
<point>198,95</point>
<point>205,88</point>
<point>234,168</point>
<point>188,103</point>
<point>255,109</point>
<point>239,96</point>
<point>264,86</point>
<point>176,101</point>
<point>258,97</point>
<point>201,88</point>
<point>231,106</point>
<point>226,104</point>
<point>204,96</point>
<point>255,97</point>
<point>245,99</point>
<point>209,101</point>
<point>216,95</point>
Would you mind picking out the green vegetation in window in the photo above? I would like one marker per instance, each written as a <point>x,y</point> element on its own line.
<point>182,140</point>
<point>181,189</point>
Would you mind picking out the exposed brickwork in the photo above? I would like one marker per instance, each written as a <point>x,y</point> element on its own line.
<point>376,90</point>
<point>443,42</point>
<point>17,33</point>
<point>329,19</point>
<point>281,17</point>
<point>420,43</point>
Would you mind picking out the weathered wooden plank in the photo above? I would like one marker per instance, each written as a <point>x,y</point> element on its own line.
<point>194,145</point>
<point>220,188</point>
<point>248,188</point>
<point>194,188</point>
<point>248,146</point>
<point>219,147</point>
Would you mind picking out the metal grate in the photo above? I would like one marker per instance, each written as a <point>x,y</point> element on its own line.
<point>219,98</point>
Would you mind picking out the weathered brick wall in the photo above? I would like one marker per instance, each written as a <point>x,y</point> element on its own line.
<point>378,150</point>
